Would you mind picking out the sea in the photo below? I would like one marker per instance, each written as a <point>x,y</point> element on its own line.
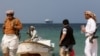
<point>52,32</point>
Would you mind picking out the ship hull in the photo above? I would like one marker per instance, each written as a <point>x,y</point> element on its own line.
<point>34,49</point>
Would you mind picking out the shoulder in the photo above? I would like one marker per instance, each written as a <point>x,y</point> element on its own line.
<point>35,31</point>
<point>64,29</point>
<point>91,20</point>
<point>5,20</point>
<point>17,19</point>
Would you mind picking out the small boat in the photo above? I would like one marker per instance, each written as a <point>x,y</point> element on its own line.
<point>38,48</point>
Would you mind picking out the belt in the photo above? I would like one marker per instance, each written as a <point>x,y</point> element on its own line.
<point>94,37</point>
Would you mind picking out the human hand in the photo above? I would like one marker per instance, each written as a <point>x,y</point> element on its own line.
<point>82,28</point>
<point>14,27</point>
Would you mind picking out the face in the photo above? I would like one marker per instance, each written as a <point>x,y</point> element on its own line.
<point>86,16</point>
<point>9,16</point>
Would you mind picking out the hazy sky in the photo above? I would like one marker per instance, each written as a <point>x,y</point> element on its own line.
<point>36,11</point>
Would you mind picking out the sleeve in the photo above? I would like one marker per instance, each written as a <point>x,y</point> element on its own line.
<point>18,24</point>
<point>64,31</point>
<point>90,27</point>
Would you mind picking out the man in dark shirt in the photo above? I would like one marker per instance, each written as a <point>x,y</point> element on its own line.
<point>66,39</point>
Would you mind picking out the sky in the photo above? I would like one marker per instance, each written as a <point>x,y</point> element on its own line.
<point>36,11</point>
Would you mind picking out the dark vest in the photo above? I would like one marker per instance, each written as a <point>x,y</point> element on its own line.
<point>69,38</point>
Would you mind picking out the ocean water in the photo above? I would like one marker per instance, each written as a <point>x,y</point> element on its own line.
<point>52,32</point>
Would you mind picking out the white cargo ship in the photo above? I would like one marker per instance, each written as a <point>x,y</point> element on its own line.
<point>48,21</point>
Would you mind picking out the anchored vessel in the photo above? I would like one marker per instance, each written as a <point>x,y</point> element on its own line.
<point>48,21</point>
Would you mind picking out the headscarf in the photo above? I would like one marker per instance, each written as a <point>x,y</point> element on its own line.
<point>9,12</point>
<point>91,14</point>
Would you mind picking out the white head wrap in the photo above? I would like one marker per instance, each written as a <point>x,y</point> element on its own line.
<point>9,12</point>
<point>89,13</point>
<point>32,27</point>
